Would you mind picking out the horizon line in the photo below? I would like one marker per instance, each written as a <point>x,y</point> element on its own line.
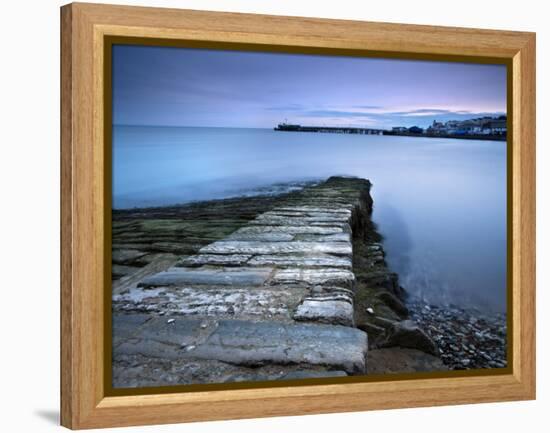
<point>388,128</point>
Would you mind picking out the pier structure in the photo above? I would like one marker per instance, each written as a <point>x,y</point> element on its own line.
<point>291,294</point>
<point>329,129</point>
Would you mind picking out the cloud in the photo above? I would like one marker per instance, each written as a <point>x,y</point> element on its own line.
<point>421,112</point>
<point>386,118</point>
<point>288,107</point>
<point>335,113</point>
<point>368,107</point>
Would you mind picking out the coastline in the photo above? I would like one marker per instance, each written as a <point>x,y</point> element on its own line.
<point>145,241</point>
<point>376,131</point>
<point>361,131</point>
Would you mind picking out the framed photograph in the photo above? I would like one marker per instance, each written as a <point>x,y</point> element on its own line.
<point>266,216</point>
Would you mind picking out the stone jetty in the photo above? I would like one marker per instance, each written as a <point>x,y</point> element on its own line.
<point>296,291</point>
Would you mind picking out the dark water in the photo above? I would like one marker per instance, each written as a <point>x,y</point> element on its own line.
<point>439,203</point>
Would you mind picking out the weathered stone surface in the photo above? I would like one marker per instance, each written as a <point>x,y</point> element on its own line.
<point>241,342</point>
<point>164,338</point>
<point>337,237</point>
<point>123,256</point>
<point>251,343</point>
<point>312,374</point>
<point>262,237</point>
<point>304,260</point>
<point>344,210</point>
<point>131,371</point>
<point>255,229</point>
<point>214,259</point>
<point>409,335</point>
<point>318,217</point>
<point>212,276</point>
<point>324,291</point>
<point>119,271</point>
<point>159,263</point>
<point>325,310</point>
<point>276,303</point>
<point>300,222</point>
<point>314,276</point>
<point>263,297</point>
<point>126,325</point>
<point>243,247</point>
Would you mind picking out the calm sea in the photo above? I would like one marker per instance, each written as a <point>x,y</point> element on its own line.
<point>439,203</point>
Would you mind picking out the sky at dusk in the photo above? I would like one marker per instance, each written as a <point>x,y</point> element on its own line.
<point>192,87</point>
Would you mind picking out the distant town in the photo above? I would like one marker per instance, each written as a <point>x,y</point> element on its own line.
<point>482,128</point>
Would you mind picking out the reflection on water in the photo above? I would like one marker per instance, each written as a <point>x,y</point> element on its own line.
<point>439,203</point>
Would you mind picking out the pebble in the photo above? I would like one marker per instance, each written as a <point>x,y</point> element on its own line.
<point>170,321</point>
<point>467,339</point>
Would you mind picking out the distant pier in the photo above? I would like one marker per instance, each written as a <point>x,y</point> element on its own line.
<point>372,131</point>
<point>328,129</point>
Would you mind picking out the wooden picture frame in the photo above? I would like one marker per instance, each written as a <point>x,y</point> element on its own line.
<point>85,28</point>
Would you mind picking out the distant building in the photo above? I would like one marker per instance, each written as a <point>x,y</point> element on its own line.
<point>436,128</point>
<point>399,129</point>
<point>481,126</point>
<point>497,126</point>
<point>415,130</point>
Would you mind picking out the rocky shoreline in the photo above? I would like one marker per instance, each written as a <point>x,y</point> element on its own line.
<point>274,288</point>
<point>466,338</point>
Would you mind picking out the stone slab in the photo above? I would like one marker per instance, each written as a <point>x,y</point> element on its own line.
<point>276,303</point>
<point>325,310</point>
<point>255,229</point>
<point>310,209</point>
<point>249,343</point>
<point>241,342</point>
<point>211,276</point>
<point>124,256</point>
<point>214,259</point>
<point>317,260</point>
<point>263,237</point>
<point>305,220</point>
<point>336,237</point>
<point>244,247</point>
<point>314,276</point>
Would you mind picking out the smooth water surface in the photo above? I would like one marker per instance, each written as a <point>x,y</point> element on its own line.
<point>439,203</point>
